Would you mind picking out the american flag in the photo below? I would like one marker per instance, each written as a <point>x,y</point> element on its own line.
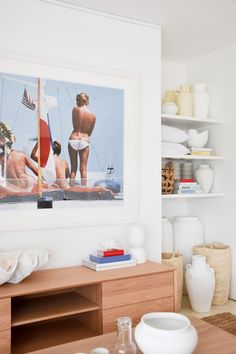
<point>28,101</point>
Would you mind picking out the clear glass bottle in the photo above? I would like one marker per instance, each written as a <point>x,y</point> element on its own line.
<point>124,343</point>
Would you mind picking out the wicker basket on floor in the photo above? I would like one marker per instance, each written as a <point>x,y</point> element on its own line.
<point>218,256</point>
<point>176,260</point>
<point>168,178</point>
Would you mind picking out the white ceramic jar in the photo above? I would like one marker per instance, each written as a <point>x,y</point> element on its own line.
<point>167,239</point>
<point>188,232</point>
<point>201,101</point>
<point>165,333</point>
<point>185,101</point>
<point>200,283</point>
<point>204,176</point>
<point>169,108</point>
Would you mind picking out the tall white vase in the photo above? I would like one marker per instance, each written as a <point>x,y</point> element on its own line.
<point>200,283</point>
<point>201,101</point>
<point>167,239</point>
<point>205,176</point>
<point>188,232</point>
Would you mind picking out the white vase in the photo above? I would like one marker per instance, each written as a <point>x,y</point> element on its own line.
<point>188,232</point>
<point>204,176</point>
<point>201,101</point>
<point>200,283</point>
<point>167,239</point>
<point>165,333</point>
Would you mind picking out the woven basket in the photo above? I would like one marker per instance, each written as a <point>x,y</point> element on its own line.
<point>176,260</point>
<point>218,256</point>
<point>168,178</point>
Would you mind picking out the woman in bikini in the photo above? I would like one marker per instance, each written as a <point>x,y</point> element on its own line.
<point>83,123</point>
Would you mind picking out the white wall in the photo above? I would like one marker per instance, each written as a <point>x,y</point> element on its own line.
<point>173,75</point>
<point>218,71</point>
<point>35,31</point>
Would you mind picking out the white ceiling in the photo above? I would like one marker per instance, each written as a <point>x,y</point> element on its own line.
<point>191,28</point>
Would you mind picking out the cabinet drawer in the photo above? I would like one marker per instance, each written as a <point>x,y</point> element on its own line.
<point>5,342</point>
<point>135,311</point>
<point>5,314</point>
<point>138,289</point>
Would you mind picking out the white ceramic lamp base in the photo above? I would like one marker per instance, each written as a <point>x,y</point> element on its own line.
<point>136,240</point>
<point>139,254</point>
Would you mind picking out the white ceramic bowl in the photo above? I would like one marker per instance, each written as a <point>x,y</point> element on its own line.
<point>165,333</point>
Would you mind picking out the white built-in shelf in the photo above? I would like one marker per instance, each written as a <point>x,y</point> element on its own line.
<point>188,122</point>
<point>183,196</point>
<point>192,157</point>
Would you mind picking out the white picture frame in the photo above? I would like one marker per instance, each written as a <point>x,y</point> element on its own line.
<point>26,216</point>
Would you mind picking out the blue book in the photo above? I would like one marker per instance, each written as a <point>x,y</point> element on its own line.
<point>96,259</point>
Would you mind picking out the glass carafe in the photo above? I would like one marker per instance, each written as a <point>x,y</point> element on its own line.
<point>124,343</point>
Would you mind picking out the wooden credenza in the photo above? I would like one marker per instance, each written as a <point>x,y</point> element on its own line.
<point>57,306</point>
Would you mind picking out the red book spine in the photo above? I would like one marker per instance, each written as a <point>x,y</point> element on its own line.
<point>186,180</point>
<point>110,253</point>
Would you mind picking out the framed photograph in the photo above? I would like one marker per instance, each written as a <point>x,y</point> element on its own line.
<point>69,134</point>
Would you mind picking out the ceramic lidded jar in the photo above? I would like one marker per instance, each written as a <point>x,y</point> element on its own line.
<point>200,283</point>
<point>185,101</point>
<point>201,101</point>
<point>204,176</point>
<point>165,333</point>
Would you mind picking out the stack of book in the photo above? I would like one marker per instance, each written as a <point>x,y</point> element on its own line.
<point>189,187</point>
<point>202,151</point>
<point>108,259</point>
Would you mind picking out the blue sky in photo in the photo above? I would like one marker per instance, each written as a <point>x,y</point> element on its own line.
<point>106,103</point>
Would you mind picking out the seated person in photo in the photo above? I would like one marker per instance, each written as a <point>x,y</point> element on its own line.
<point>16,162</point>
<point>61,166</point>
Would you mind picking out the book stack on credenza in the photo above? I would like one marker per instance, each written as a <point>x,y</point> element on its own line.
<point>108,259</point>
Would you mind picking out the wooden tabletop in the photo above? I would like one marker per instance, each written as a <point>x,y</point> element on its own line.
<point>212,340</point>
<point>70,277</point>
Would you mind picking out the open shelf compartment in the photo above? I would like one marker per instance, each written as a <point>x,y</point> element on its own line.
<point>35,337</point>
<point>31,310</point>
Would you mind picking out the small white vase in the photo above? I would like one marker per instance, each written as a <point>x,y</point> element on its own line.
<point>201,101</point>
<point>165,333</point>
<point>188,232</point>
<point>204,176</point>
<point>167,239</point>
<point>200,283</point>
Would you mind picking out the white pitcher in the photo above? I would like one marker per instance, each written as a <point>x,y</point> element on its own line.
<point>200,283</point>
